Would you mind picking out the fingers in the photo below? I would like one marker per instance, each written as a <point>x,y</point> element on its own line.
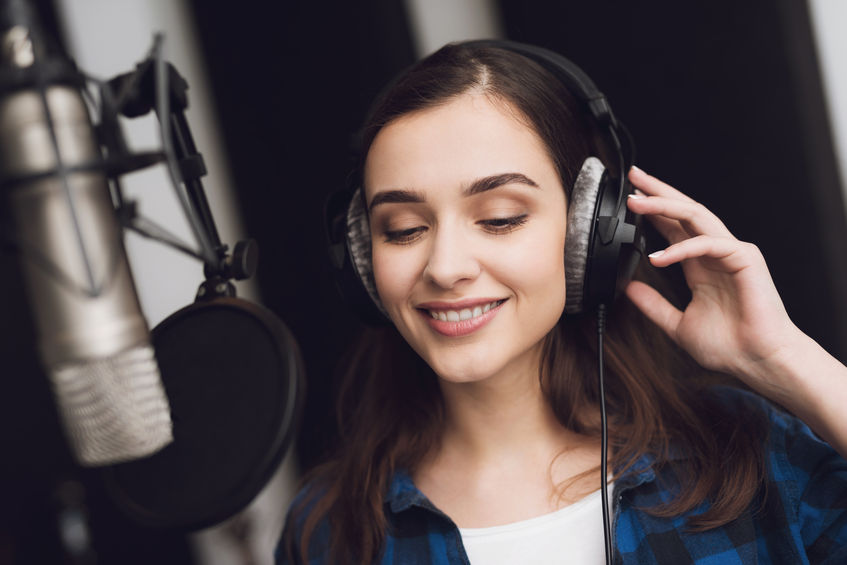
<point>675,215</point>
<point>654,306</point>
<point>694,218</point>
<point>652,186</point>
<point>692,230</point>
<point>669,229</point>
<point>730,255</point>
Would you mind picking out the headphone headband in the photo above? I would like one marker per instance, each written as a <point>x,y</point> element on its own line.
<point>574,78</point>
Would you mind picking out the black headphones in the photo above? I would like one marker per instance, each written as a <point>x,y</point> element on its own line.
<point>603,243</point>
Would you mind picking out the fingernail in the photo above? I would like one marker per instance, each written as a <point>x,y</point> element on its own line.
<point>655,254</point>
<point>636,196</point>
<point>635,168</point>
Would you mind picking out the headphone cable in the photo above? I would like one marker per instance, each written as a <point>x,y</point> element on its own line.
<point>604,494</point>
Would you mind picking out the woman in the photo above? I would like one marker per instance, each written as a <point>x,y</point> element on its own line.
<point>470,428</point>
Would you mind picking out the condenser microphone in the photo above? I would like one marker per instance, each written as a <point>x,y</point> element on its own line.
<point>92,337</point>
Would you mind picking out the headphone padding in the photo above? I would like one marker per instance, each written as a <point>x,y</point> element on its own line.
<point>359,245</point>
<point>581,216</point>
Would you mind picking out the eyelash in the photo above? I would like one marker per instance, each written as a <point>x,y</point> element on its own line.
<point>505,225</point>
<point>497,226</point>
<point>403,236</point>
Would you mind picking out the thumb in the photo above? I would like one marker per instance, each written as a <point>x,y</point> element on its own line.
<point>655,306</point>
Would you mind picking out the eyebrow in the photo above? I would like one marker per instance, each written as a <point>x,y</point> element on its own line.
<point>476,187</point>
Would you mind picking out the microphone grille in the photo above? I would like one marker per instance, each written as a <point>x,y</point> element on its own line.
<point>114,408</point>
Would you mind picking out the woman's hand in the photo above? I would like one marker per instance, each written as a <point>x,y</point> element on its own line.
<point>735,319</point>
<point>736,322</point>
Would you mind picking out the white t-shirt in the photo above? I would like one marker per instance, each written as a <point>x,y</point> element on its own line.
<point>573,534</point>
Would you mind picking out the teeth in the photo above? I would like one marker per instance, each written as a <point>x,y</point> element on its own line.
<point>464,314</point>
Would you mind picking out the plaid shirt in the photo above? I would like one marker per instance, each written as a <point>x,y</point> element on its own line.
<point>802,520</point>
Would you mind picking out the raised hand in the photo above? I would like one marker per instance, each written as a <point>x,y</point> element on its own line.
<point>736,322</point>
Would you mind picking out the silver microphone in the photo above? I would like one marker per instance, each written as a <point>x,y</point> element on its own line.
<point>92,337</point>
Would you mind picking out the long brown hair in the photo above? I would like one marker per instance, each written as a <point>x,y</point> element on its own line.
<point>390,410</point>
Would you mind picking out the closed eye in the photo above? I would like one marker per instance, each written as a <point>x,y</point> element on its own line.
<point>404,236</point>
<point>504,225</point>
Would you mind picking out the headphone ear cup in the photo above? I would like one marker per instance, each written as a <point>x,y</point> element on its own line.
<point>349,238</point>
<point>582,213</point>
<point>359,247</point>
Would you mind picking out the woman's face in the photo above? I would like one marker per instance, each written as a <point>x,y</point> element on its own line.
<point>467,218</point>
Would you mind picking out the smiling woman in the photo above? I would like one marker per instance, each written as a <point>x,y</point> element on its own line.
<point>470,425</point>
<point>486,229</point>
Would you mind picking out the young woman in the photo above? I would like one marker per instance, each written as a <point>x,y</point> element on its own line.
<point>470,427</point>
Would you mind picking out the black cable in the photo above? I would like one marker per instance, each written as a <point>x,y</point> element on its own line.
<point>604,440</point>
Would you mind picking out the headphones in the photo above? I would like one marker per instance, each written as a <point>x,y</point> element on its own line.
<point>603,243</point>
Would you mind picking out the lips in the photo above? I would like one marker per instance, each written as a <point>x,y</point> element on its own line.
<point>460,315</point>
<point>460,318</point>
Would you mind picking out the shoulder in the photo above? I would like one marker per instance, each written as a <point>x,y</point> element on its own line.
<point>789,439</point>
<point>739,401</point>
<point>806,481</point>
<point>794,452</point>
<point>799,512</point>
<point>299,521</point>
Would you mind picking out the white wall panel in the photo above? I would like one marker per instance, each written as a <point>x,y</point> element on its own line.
<point>829,18</point>
<point>436,22</point>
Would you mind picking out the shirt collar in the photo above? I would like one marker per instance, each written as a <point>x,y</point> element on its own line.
<point>642,471</point>
<point>403,494</point>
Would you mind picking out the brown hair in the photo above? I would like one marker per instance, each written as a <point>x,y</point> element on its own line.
<point>390,410</point>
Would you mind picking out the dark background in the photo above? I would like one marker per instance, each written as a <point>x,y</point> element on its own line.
<point>723,103</point>
<point>723,99</point>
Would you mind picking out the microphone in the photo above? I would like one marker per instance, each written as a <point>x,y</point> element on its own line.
<point>92,336</point>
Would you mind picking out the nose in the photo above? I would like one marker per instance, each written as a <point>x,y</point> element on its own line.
<point>451,259</point>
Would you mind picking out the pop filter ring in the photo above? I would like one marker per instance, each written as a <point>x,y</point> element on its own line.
<point>198,480</point>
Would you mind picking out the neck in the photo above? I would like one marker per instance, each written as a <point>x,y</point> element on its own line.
<point>501,454</point>
<point>503,414</point>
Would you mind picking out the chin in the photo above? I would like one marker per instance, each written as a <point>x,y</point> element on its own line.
<point>462,375</point>
<point>469,368</point>
<point>458,366</point>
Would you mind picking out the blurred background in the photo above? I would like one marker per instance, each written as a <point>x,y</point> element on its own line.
<point>742,105</point>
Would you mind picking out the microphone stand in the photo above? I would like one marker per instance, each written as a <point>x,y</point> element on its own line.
<point>156,85</point>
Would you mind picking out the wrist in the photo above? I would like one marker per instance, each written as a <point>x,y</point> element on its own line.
<point>807,381</point>
<point>787,375</point>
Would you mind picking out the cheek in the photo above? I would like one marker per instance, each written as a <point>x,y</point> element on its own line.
<point>536,268</point>
<point>395,274</point>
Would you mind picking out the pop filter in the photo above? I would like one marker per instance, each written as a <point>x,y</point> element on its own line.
<point>233,375</point>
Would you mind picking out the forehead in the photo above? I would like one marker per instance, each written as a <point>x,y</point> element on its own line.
<point>471,136</point>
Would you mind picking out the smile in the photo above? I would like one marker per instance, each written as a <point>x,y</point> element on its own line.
<point>458,322</point>
<point>463,314</point>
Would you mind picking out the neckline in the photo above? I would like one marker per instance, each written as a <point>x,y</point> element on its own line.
<point>535,521</point>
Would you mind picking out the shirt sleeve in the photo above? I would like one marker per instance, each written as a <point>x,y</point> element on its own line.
<point>815,476</point>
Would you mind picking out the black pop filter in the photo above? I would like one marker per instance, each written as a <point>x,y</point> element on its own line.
<point>233,376</point>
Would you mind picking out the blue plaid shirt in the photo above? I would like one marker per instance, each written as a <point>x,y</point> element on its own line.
<point>802,520</point>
